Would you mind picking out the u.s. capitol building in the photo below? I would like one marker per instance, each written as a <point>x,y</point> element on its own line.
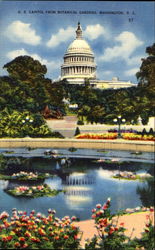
<point>79,64</point>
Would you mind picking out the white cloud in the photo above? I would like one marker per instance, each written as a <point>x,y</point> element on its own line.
<point>136,60</point>
<point>63,35</point>
<point>131,72</point>
<point>107,72</point>
<point>12,54</point>
<point>128,43</point>
<point>51,65</point>
<point>18,31</point>
<point>94,31</point>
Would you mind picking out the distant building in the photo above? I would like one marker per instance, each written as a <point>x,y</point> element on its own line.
<point>79,64</point>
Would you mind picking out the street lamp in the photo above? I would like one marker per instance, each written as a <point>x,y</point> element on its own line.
<point>27,120</point>
<point>119,121</point>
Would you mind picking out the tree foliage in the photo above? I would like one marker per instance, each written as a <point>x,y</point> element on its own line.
<point>146,84</point>
<point>146,75</point>
<point>25,69</point>
<point>27,80</point>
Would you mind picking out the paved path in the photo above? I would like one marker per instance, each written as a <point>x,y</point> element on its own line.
<point>67,126</point>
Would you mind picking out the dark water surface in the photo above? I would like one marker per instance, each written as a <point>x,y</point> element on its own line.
<point>85,180</point>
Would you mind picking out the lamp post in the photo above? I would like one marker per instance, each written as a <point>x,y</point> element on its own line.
<point>119,121</point>
<point>27,120</point>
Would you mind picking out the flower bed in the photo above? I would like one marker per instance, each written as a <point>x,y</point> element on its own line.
<point>97,136</point>
<point>25,176</point>
<point>111,136</point>
<point>33,191</point>
<point>133,136</point>
<point>37,231</point>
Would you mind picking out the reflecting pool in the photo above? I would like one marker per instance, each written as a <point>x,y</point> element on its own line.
<point>84,175</point>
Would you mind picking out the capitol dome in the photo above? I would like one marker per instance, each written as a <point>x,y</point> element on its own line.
<point>79,45</point>
<point>78,60</point>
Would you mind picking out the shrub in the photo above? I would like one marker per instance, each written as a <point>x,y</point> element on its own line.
<point>77,131</point>
<point>110,234</point>
<point>80,122</point>
<point>151,132</point>
<point>21,124</point>
<point>144,132</point>
<point>3,163</point>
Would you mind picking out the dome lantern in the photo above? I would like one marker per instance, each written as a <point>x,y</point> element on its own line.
<point>79,31</point>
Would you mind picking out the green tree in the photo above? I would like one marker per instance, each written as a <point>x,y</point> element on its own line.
<point>146,84</point>
<point>96,114</point>
<point>25,69</point>
<point>11,93</point>
<point>146,75</point>
<point>27,79</point>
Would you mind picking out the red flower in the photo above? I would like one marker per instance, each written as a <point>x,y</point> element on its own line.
<point>17,244</point>
<point>21,239</point>
<point>56,237</point>
<point>41,231</point>
<point>75,237</point>
<point>73,218</point>
<point>45,238</point>
<point>105,207</point>
<point>93,210</point>
<point>98,205</point>
<point>111,230</point>
<point>122,224</point>
<point>66,236</point>
<point>147,225</point>
<point>24,246</point>
<point>9,237</point>
<point>4,215</point>
<point>35,239</point>
<point>27,234</point>
<point>103,222</point>
<point>4,239</point>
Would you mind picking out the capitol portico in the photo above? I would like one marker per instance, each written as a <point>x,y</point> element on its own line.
<point>79,64</point>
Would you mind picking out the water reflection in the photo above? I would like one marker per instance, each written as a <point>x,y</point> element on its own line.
<point>78,190</point>
<point>147,192</point>
<point>54,183</point>
<point>57,167</point>
<point>79,179</point>
<point>3,184</point>
<point>86,182</point>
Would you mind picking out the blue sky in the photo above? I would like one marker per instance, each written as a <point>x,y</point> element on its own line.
<point>118,33</point>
